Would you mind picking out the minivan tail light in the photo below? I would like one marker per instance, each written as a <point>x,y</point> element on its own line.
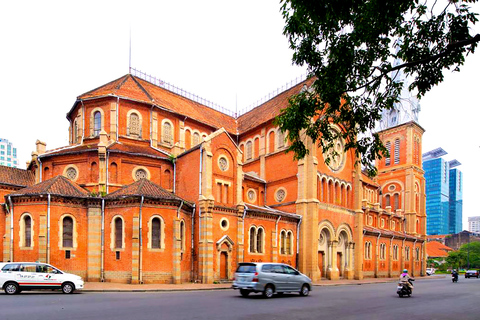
<point>255,280</point>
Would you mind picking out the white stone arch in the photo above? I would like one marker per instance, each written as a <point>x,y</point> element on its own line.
<point>22,239</point>
<point>262,239</point>
<point>92,120</point>
<point>251,240</point>
<point>204,136</point>
<point>194,133</point>
<point>289,250</point>
<point>74,232</point>
<point>228,251</point>
<point>326,234</point>
<point>162,233</point>
<point>112,233</point>
<point>278,134</point>
<point>165,137</point>
<point>345,248</point>
<point>129,113</point>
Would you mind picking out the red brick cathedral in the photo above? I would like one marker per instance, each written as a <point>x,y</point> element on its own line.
<point>157,188</point>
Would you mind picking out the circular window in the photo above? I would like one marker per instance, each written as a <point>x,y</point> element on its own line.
<point>141,174</point>
<point>280,194</point>
<point>391,187</point>
<point>335,156</point>
<point>251,195</point>
<point>224,224</point>
<point>223,163</point>
<point>71,173</point>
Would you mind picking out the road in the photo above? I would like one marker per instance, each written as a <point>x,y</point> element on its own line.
<point>432,299</point>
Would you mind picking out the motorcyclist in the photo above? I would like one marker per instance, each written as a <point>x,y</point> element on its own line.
<point>404,277</point>
<point>455,274</point>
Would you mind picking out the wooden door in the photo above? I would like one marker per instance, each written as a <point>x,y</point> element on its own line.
<point>339,264</point>
<point>223,266</point>
<point>320,263</point>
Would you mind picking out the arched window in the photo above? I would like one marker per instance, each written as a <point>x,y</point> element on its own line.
<point>182,235</point>
<point>167,134</point>
<point>383,251</point>
<point>252,239</point>
<point>271,142</point>
<point>387,159</point>
<point>283,238</point>
<point>288,248</point>
<point>67,236</point>
<point>397,151</point>
<point>134,128</point>
<point>167,179</point>
<point>27,220</point>
<point>387,200</point>
<point>196,138</point>
<point>395,201</point>
<point>118,233</point>
<point>260,240</point>
<point>74,132</point>
<point>113,172</point>
<point>156,233</point>
<point>367,252</point>
<point>395,252</point>
<point>97,123</point>
<point>281,139</point>
<point>417,254</point>
<point>249,150</point>
<point>407,253</point>
<point>94,172</point>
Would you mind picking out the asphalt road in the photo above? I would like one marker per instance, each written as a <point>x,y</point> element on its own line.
<point>432,299</point>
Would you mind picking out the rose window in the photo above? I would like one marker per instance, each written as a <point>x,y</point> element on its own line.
<point>71,173</point>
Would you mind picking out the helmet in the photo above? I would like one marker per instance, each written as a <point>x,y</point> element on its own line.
<point>405,271</point>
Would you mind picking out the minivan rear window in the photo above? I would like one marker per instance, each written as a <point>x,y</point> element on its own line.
<point>246,268</point>
<point>11,267</point>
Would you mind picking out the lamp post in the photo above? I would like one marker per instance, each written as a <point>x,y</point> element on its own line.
<point>468,252</point>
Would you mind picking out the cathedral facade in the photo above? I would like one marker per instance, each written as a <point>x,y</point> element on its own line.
<point>157,188</point>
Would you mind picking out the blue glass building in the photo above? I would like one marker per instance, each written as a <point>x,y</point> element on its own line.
<point>443,192</point>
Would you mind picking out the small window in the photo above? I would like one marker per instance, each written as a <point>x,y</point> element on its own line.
<point>67,232</point>
<point>117,255</point>
<point>167,136</point>
<point>249,150</point>
<point>397,151</point>
<point>156,233</point>
<point>97,123</point>
<point>118,233</point>
<point>134,127</point>
<point>67,254</point>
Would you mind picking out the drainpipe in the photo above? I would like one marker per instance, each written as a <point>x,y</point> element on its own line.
<point>40,163</point>
<point>298,241</point>
<point>140,278</point>
<point>193,242</point>
<point>83,120</point>
<point>201,167</point>
<point>102,246</point>
<point>414,251</point>
<point>265,194</point>
<point>48,230</point>
<point>174,174</point>
<point>106,173</point>
<point>11,228</point>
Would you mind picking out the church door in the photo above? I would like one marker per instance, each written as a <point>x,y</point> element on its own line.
<point>223,266</point>
<point>339,264</point>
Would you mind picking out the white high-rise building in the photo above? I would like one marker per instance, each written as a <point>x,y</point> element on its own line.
<point>474,224</point>
<point>8,154</point>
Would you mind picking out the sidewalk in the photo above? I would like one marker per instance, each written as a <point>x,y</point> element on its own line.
<point>123,287</point>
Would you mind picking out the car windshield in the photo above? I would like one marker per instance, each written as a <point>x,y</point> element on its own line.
<point>246,268</point>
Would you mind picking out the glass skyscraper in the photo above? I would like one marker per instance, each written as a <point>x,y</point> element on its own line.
<point>443,192</point>
<point>8,154</point>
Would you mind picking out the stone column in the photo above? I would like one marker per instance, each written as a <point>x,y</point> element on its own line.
<point>177,252</point>
<point>154,136</point>
<point>136,248</point>
<point>102,162</point>
<point>42,239</point>
<point>206,246</point>
<point>390,259</point>
<point>240,233</point>
<point>349,271</point>
<point>94,243</point>
<point>332,271</point>
<point>113,121</point>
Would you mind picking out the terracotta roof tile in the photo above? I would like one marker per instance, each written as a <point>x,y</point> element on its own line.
<point>437,249</point>
<point>58,185</point>
<point>146,188</point>
<point>16,177</point>
<point>135,88</point>
<point>265,209</point>
<point>389,232</point>
<point>270,109</point>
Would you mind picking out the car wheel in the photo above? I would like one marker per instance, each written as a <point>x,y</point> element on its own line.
<point>68,287</point>
<point>268,292</point>
<point>304,291</point>
<point>244,292</point>
<point>11,288</point>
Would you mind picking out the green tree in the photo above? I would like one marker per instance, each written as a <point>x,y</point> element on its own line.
<point>349,46</point>
<point>456,259</point>
<point>472,250</point>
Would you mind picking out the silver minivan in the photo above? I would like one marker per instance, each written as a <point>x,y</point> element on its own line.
<point>269,278</point>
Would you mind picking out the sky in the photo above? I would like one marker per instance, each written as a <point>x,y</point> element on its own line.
<point>232,53</point>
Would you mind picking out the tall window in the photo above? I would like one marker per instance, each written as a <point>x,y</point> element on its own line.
<point>407,253</point>
<point>383,251</point>
<point>118,233</point>
<point>67,232</point>
<point>387,200</point>
<point>252,239</point>
<point>417,254</point>
<point>281,139</point>
<point>260,240</point>
<point>249,150</point>
<point>395,201</point>
<point>97,123</point>
<point>395,252</point>
<point>397,151</point>
<point>134,125</point>
<point>28,231</point>
<point>283,239</point>
<point>289,239</point>
<point>387,159</point>
<point>74,132</point>
<point>196,138</point>
<point>167,136</point>
<point>156,233</point>
<point>368,250</point>
<point>182,235</point>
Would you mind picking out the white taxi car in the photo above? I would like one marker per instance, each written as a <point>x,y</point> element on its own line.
<point>18,276</point>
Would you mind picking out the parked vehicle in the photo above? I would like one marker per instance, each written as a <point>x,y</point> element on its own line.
<point>430,271</point>
<point>471,274</point>
<point>16,277</point>
<point>403,288</point>
<point>270,278</point>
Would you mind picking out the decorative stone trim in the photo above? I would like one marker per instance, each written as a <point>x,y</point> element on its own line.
<point>136,176</point>
<point>280,194</point>
<point>71,172</point>
<point>224,224</point>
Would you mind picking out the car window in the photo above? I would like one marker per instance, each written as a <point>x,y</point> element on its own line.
<point>290,270</point>
<point>278,269</point>
<point>28,268</point>
<point>247,268</point>
<point>49,269</point>
<point>267,268</point>
<point>11,267</point>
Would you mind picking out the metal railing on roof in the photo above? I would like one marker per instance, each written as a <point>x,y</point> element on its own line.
<point>184,93</point>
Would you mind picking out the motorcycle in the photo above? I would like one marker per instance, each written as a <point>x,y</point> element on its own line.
<point>455,277</point>
<point>403,289</point>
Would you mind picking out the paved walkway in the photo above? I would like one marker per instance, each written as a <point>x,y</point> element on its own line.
<point>122,287</point>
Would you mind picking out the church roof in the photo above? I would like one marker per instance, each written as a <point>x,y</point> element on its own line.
<point>398,234</point>
<point>132,87</point>
<point>146,188</point>
<point>58,185</point>
<point>437,249</point>
<point>266,209</point>
<point>16,177</point>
